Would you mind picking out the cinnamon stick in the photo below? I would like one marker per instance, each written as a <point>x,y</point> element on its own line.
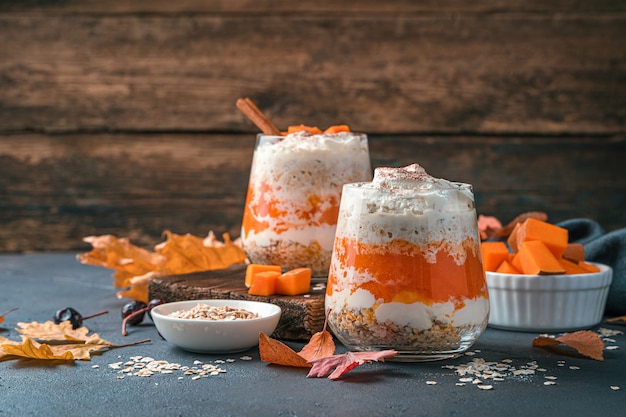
<point>257,117</point>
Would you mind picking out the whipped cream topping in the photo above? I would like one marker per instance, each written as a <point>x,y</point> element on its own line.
<point>305,171</point>
<point>408,204</point>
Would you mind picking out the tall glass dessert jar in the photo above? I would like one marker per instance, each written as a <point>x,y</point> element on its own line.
<point>294,193</point>
<point>406,270</point>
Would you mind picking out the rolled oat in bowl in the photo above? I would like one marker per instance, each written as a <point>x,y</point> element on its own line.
<point>206,312</point>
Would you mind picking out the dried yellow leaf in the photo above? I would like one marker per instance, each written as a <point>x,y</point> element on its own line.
<point>34,350</point>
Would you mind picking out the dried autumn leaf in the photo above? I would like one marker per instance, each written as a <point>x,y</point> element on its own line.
<point>120,255</point>
<point>34,350</point>
<point>51,331</point>
<point>273,351</point>
<point>488,226</point>
<point>586,342</point>
<point>179,254</point>
<point>138,287</point>
<point>617,320</point>
<point>187,253</point>
<point>345,362</point>
<point>52,341</point>
<point>320,345</point>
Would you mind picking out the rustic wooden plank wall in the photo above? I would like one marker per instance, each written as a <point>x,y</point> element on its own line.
<point>119,117</point>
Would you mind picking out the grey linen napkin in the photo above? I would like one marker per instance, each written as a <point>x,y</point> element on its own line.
<point>605,248</point>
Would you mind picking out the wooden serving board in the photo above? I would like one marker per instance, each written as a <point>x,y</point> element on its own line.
<point>302,315</point>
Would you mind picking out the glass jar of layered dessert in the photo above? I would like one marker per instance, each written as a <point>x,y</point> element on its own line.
<point>406,270</point>
<point>294,193</point>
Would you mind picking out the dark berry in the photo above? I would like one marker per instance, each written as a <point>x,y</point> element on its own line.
<point>134,312</point>
<point>69,314</point>
<point>73,316</point>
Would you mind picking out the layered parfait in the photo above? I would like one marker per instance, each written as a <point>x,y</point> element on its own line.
<point>406,270</point>
<point>294,193</point>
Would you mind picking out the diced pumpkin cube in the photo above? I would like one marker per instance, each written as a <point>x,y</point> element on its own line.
<point>512,239</point>
<point>299,128</point>
<point>337,129</point>
<point>574,252</point>
<point>254,269</point>
<point>589,267</point>
<point>493,254</point>
<point>506,268</point>
<point>555,238</point>
<point>294,282</point>
<point>264,283</point>
<point>516,263</point>
<point>537,259</point>
<point>572,267</point>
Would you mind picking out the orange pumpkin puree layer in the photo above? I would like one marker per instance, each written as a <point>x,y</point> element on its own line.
<point>401,273</point>
<point>308,214</point>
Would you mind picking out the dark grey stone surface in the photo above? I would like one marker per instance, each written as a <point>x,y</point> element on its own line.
<point>39,284</point>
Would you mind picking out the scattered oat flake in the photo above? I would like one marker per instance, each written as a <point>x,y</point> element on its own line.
<point>612,347</point>
<point>574,368</point>
<point>615,388</point>
<point>431,382</point>
<point>609,332</point>
<point>246,358</point>
<point>485,387</point>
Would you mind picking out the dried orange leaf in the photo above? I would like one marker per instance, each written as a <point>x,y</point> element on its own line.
<point>273,351</point>
<point>618,320</point>
<point>345,362</point>
<point>320,345</point>
<point>541,341</point>
<point>586,342</point>
<point>120,255</point>
<point>138,287</point>
<point>187,253</point>
<point>179,254</point>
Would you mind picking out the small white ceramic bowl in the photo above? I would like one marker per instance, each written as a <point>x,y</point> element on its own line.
<point>216,336</point>
<point>548,303</point>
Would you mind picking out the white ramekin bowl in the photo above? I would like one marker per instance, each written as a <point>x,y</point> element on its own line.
<point>548,303</point>
<point>216,336</point>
